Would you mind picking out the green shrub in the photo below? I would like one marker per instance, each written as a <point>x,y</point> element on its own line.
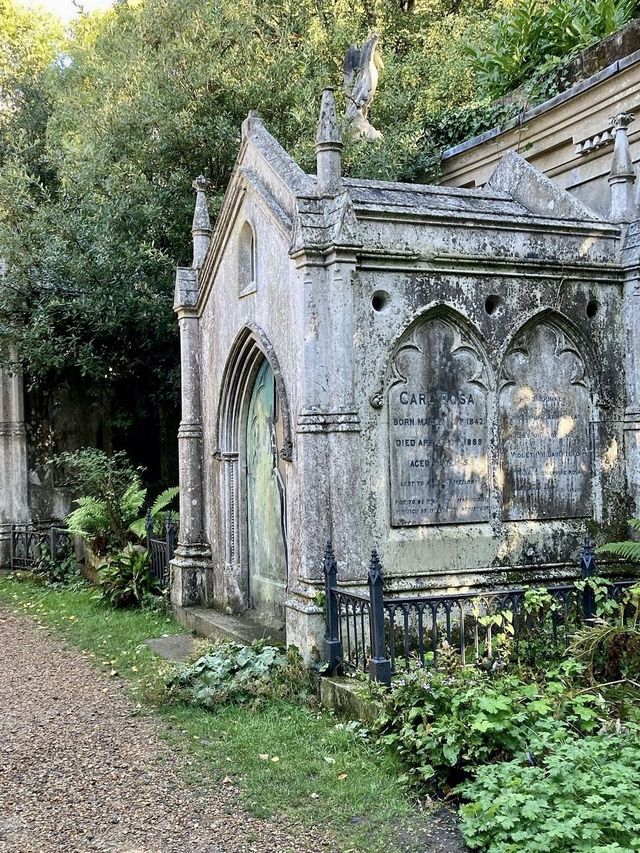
<point>231,673</point>
<point>535,35</point>
<point>443,726</point>
<point>584,796</point>
<point>125,579</point>
<point>112,496</point>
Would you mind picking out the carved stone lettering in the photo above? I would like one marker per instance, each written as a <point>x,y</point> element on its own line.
<point>544,413</point>
<point>438,436</point>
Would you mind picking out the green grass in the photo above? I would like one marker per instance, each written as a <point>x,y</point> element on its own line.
<point>324,775</point>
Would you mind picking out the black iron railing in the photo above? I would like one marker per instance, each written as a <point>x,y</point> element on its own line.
<point>379,633</point>
<point>31,542</point>
<point>161,551</point>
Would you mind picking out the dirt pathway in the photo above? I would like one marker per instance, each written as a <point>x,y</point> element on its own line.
<point>79,774</point>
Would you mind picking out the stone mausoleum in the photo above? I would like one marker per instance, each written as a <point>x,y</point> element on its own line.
<point>448,375</point>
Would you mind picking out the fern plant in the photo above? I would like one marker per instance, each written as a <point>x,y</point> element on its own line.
<point>628,550</point>
<point>158,513</point>
<point>107,520</point>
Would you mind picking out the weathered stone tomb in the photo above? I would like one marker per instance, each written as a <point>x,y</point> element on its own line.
<point>438,373</point>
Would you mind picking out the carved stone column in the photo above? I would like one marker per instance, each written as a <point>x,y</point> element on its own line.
<point>14,503</point>
<point>622,176</point>
<point>192,561</point>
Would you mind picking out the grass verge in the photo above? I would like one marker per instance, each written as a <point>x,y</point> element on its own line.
<point>322,774</point>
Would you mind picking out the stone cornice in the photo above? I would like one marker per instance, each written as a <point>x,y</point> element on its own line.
<point>514,266</point>
<point>464,220</point>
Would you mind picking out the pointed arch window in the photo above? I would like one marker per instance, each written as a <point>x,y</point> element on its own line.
<point>248,260</point>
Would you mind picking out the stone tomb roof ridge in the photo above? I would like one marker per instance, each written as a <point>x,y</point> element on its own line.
<point>517,195</point>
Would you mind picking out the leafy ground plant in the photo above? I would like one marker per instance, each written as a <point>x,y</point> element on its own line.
<point>230,673</point>
<point>584,796</point>
<point>445,725</point>
<point>126,581</point>
<point>58,570</point>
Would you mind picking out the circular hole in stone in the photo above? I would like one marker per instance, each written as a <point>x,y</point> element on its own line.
<point>379,300</point>
<point>592,308</point>
<point>491,303</point>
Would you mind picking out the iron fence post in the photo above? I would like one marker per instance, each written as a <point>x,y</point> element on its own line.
<point>148,526</point>
<point>379,663</point>
<point>12,545</point>
<point>587,570</point>
<point>52,543</point>
<point>332,644</point>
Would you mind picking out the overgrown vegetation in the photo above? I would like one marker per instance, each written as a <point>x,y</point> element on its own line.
<point>539,745</point>
<point>106,516</point>
<point>581,797</point>
<point>446,725</point>
<point>230,673</point>
<point>537,36</point>
<point>111,492</point>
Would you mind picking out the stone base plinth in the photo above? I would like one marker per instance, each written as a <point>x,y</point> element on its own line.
<point>305,627</point>
<point>191,575</point>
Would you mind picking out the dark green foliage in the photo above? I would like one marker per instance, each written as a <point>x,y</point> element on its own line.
<point>230,673</point>
<point>584,797</point>
<point>125,579</point>
<point>56,571</point>
<point>535,35</point>
<point>445,725</point>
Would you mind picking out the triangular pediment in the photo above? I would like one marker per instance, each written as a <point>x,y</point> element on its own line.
<point>537,193</point>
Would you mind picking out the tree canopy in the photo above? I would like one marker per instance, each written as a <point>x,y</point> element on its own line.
<point>103,127</point>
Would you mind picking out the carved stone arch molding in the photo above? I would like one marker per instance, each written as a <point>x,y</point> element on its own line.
<point>246,356</point>
<point>249,349</point>
<point>439,387</point>
<point>545,412</point>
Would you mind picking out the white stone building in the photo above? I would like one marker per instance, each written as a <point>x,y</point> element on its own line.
<point>448,375</point>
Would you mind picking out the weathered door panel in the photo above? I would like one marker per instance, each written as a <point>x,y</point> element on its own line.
<point>265,500</point>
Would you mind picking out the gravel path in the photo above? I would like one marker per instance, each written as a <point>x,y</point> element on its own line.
<point>79,774</point>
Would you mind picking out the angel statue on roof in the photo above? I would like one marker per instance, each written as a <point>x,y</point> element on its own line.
<point>360,81</point>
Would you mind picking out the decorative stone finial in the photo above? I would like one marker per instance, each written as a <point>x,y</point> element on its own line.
<point>622,176</point>
<point>201,227</point>
<point>328,147</point>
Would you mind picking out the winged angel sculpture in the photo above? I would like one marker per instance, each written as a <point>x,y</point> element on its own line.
<point>360,81</point>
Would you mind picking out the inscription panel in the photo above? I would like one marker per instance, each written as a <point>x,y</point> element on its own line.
<point>544,413</point>
<point>439,469</point>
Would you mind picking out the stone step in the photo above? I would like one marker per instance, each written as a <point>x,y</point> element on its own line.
<point>220,626</point>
